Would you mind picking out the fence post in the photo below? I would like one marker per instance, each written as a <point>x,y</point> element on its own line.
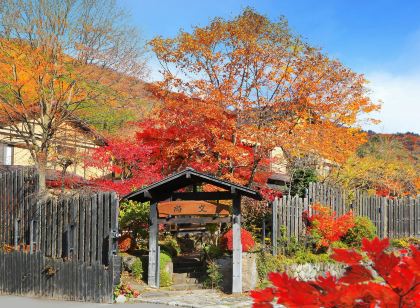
<point>33,240</point>
<point>384,217</point>
<point>17,237</point>
<point>275,227</point>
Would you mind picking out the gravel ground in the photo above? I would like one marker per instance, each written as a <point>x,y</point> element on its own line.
<point>195,299</point>
<point>26,302</point>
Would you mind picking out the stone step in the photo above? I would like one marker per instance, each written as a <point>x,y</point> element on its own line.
<point>188,264</point>
<point>194,270</point>
<point>186,286</point>
<point>186,278</point>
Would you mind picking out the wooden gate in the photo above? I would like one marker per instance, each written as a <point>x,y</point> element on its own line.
<point>62,248</point>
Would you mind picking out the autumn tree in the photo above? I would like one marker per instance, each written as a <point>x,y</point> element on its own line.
<point>382,165</point>
<point>59,59</point>
<point>279,90</point>
<point>185,133</point>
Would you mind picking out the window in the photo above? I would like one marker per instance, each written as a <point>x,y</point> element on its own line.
<point>6,154</point>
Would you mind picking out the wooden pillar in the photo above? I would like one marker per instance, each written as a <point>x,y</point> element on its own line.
<point>237,246</point>
<point>153,272</point>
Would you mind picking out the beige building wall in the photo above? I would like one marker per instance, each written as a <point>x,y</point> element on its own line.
<point>278,161</point>
<point>70,142</point>
<point>279,164</point>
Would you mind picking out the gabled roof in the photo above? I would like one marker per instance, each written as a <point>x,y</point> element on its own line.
<point>183,179</point>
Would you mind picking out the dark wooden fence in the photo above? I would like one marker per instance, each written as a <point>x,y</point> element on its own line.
<point>18,189</point>
<point>58,247</point>
<point>394,218</point>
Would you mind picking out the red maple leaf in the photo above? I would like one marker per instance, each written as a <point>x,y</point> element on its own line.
<point>356,274</point>
<point>375,247</point>
<point>349,257</point>
<point>400,286</point>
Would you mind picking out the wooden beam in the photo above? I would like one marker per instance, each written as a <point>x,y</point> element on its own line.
<point>237,247</point>
<point>201,195</point>
<point>193,220</point>
<point>153,272</point>
<point>147,194</point>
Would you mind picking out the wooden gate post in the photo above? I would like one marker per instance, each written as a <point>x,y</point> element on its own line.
<point>153,269</point>
<point>237,246</point>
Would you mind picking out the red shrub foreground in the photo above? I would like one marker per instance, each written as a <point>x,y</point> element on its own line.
<point>400,286</point>
<point>325,224</point>
<point>246,238</point>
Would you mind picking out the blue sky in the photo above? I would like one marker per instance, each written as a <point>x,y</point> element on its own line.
<point>379,38</point>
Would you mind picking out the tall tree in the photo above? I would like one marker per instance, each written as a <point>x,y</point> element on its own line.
<point>279,90</point>
<point>184,133</point>
<point>382,165</point>
<point>58,58</point>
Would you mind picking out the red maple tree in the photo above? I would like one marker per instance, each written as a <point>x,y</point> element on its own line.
<point>128,161</point>
<point>183,134</point>
<point>397,283</point>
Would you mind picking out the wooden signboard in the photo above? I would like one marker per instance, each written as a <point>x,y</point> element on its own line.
<point>191,208</point>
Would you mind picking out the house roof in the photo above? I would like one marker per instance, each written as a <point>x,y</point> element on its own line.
<point>87,129</point>
<point>183,179</point>
<point>280,177</point>
<point>74,122</point>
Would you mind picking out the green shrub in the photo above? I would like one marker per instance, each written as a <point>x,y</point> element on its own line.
<point>363,227</point>
<point>214,276</point>
<point>405,242</point>
<point>339,244</point>
<point>288,245</point>
<point>164,277</point>
<point>212,251</point>
<point>306,256</point>
<point>137,269</point>
<point>134,217</point>
<point>170,245</point>
<point>267,263</point>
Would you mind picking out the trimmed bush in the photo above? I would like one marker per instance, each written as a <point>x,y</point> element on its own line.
<point>170,246</point>
<point>137,269</point>
<point>246,238</point>
<point>164,277</point>
<point>363,228</point>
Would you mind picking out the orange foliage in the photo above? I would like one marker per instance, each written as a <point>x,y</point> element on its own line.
<point>324,225</point>
<point>125,242</point>
<point>277,90</point>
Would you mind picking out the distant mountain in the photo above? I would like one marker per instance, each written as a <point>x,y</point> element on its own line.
<point>411,141</point>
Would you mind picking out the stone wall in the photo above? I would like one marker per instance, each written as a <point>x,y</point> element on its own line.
<point>309,271</point>
<point>249,272</point>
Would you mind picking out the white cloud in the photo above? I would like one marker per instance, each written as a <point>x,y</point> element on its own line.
<point>400,95</point>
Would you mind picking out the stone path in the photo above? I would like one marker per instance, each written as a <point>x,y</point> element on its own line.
<point>195,299</point>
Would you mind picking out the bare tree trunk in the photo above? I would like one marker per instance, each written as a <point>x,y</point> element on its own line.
<point>253,171</point>
<point>41,165</point>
